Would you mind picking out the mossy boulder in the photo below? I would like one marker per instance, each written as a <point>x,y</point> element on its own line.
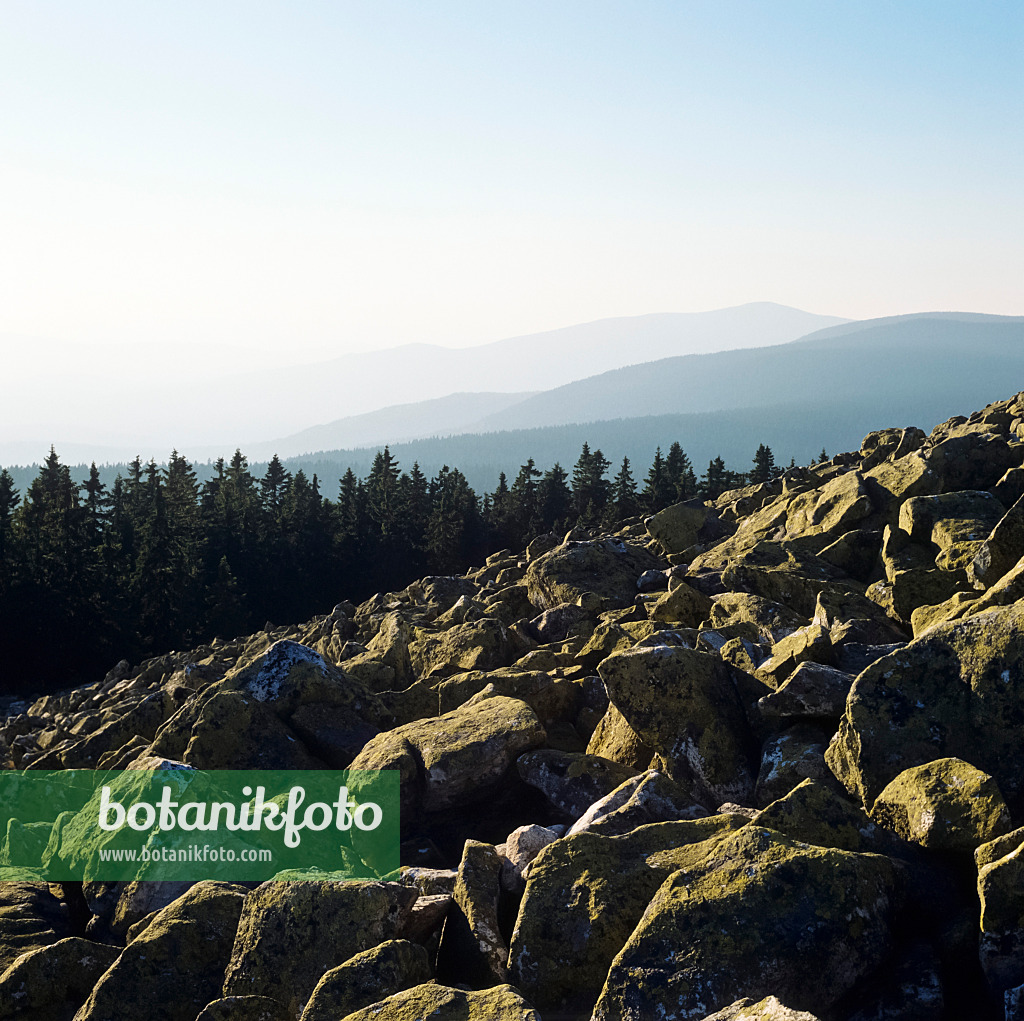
<point>814,813</point>
<point>772,620</point>
<point>584,895</point>
<point>244,1008</point>
<point>30,918</point>
<point>234,730</point>
<point>760,915</point>
<point>768,1009</point>
<point>814,691</point>
<point>443,1003</point>
<point>948,518</point>
<point>291,933</point>
<point>289,674</point>
<point>647,798</point>
<point>831,509</point>
<point>176,966</point>
<point>789,758</point>
<point>450,759</point>
<point>366,978</point>
<point>1001,891</point>
<point>682,605</point>
<point>676,528</point>
<point>684,705</point>
<point>473,950</point>
<point>615,739</point>
<point>608,568</point>
<point>571,781</point>
<point>956,691</point>
<point>1002,548</point>
<point>943,805</point>
<point>54,980</point>
<point>483,644</point>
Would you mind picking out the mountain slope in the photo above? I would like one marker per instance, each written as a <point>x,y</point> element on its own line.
<point>153,413</point>
<point>876,365</point>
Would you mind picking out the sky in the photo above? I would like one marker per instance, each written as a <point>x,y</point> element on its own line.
<point>294,180</point>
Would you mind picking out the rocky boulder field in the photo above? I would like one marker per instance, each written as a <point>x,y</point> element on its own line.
<point>761,758</point>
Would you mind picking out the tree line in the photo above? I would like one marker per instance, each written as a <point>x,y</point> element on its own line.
<point>90,574</point>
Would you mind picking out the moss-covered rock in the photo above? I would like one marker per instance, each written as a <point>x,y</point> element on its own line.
<point>813,812</point>
<point>366,978</point>
<point>676,528</point>
<point>584,895</point>
<point>450,759</point>
<point>761,913</point>
<point>30,918</point>
<point>789,758</point>
<point>944,805</point>
<point>291,933</point>
<point>244,1008</point>
<point>1001,948</point>
<point>684,705</point>
<point>54,980</point>
<point>442,1003</point>
<point>682,605</point>
<point>647,798</point>
<point>571,781</point>
<point>615,739</point>
<point>176,966</point>
<point>608,568</point>
<point>955,691</point>
<point>814,691</point>
<point>472,950</point>
<point>483,644</point>
<point>772,620</point>
<point>768,1009</point>
<point>234,730</point>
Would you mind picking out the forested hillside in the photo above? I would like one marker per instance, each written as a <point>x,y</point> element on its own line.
<point>91,573</point>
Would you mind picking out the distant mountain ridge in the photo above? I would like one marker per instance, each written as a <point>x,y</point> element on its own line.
<point>120,416</point>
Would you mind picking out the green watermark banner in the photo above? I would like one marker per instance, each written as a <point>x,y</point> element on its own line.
<point>185,824</point>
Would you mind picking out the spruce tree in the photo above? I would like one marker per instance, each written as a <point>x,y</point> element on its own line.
<point>623,494</point>
<point>764,469</point>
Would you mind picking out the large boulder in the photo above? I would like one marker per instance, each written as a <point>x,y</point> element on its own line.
<point>584,895</point>
<point>760,915</point>
<point>571,781</point>
<point>291,933</point>
<point>955,691</point>
<point>54,981</point>
<point>448,760</point>
<point>473,950</point>
<point>477,645</point>
<point>945,805</point>
<point>684,705</point>
<point>366,978</point>
<point>175,966</point>
<point>608,568</point>
<point>30,918</point>
<point>443,1003</point>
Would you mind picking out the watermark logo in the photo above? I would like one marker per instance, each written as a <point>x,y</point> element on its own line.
<point>173,824</point>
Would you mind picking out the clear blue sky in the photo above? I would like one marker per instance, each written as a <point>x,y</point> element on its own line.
<point>340,176</point>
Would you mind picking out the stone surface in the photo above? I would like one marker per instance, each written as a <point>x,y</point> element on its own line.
<point>584,896</point>
<point>954,692</point>
<point>608,568</point>
<point>366,978</point>
<point>945,805</point>
<point>571,781</point>
<point>684,705</point>
<point>760,913</point>
<point>291,933</point>
<point>54,980</point>
<point>443,1003</point>
<point>172,969</point>
<point>450,759</point>
<point>472,947</point>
